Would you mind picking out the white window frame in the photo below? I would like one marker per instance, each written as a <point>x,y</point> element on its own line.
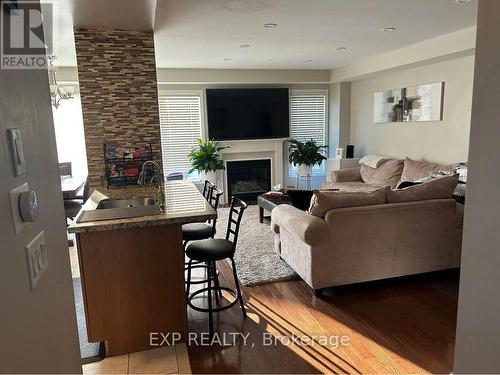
<point>318,170</point>
<point>196,93</point>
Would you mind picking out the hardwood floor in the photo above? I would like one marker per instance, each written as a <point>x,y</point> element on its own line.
<point>406,326</point>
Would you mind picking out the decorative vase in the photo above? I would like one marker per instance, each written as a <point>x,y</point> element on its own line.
<point>304,170</point>
<point>210,176</point>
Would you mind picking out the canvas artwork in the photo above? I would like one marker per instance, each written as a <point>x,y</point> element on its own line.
<point>409,104</point>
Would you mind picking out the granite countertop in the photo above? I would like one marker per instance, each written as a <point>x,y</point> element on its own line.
<point>184,204</point>
<point>135,191</point>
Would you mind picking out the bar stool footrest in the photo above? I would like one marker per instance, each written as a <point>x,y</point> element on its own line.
<point>204,281</point>
<point>215,290</point>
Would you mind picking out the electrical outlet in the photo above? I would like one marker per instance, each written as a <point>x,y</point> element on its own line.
<point>36,257</point>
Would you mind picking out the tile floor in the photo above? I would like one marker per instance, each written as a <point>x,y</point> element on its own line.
<point>165,360</point>
<point>73,258</point>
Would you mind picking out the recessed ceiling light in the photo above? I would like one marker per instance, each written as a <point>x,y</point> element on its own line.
<point>462,1</point>
<point>269,60</point>
<point>388,29</point>
<point>244,45</point>
<point>227,59</point>
<point>270,25</point>
<point>341,48</point>
<point>308,60</point>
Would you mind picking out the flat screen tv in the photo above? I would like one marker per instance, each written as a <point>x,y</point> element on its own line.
<point>247,113</point>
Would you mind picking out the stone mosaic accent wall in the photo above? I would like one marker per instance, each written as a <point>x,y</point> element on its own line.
<point>119,93</point>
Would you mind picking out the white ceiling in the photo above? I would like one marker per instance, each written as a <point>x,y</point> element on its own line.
<point>107,14</point>
<point>202,33</point>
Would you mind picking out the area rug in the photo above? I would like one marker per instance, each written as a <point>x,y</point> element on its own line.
<point>256,261</point>
<point>88,349</point>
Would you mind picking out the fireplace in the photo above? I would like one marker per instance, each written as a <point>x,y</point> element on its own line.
<point>246,179</point>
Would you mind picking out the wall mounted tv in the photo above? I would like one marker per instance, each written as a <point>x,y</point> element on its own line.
<point>247,113</point>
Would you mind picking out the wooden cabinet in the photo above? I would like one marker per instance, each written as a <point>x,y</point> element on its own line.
<point>133,284</point>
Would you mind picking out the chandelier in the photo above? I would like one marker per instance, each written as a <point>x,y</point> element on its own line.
<point>58,92</point>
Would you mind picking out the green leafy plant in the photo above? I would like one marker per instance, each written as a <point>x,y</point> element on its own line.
<point>204,157</point>
<point>306,153</point>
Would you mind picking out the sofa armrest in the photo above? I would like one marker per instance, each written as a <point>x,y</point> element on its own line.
<point>346,175</point>
<point>308,228</point>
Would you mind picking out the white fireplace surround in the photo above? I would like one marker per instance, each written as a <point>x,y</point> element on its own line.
<point>253,150</point>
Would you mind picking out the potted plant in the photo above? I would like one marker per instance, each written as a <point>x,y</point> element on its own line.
<point>205,159</point>
<point>305,155</point>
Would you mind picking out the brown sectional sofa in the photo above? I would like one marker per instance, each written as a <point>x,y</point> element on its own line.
<point>341,242</point>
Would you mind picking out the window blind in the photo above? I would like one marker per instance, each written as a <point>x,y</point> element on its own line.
<point>308,119</point>
<point>180,126</point>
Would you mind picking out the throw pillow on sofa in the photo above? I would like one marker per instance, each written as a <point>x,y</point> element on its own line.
<point>324,201</point>
<point>437,188</point>
<point>388,173</point>
<point>414,170</point>
<point>300,199</point>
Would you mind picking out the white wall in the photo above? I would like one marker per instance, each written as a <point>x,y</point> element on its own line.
<point>38,330</point>
<point>242,76</point>
<point>201,87</point>
<point>444,141</point>
<point>478,324</point>
<point>442,48</point>
<point>69,74</point>
<point>339,116</point>
<point>70,135</point>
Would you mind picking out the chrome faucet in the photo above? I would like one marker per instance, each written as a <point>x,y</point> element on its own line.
<point>157,178</point>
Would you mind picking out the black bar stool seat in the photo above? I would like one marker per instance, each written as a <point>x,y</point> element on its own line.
<point>196,231</point>
<point>210,250</point>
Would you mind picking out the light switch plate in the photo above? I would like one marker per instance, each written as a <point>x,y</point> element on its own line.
<point>17,151</point>
<point>19,224</point>
<point>36,257</point>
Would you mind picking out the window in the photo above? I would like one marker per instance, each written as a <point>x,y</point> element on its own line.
<point>180,126</point>
<point>308,120</point>
<point>70,136</point>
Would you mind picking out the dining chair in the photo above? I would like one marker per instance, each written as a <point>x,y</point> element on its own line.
<point>207,185</point>
<point>65,169</point>
<point>73,206</point>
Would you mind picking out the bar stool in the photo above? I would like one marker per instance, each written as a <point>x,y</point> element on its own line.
<point>201,231</point>
<point>212,250</point>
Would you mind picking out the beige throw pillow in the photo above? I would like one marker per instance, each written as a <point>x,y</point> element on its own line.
<point>437,188</point>
<point>414,170</point>
<point>386,174</point>
<point>324,201</point>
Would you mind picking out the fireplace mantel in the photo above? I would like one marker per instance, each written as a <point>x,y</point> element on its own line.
<point>250,150</point>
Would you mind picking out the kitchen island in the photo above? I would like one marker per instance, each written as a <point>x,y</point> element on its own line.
<point>132,270</point>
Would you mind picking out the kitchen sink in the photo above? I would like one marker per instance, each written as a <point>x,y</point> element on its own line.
<point>125,203</point>
<point>113,209</point>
